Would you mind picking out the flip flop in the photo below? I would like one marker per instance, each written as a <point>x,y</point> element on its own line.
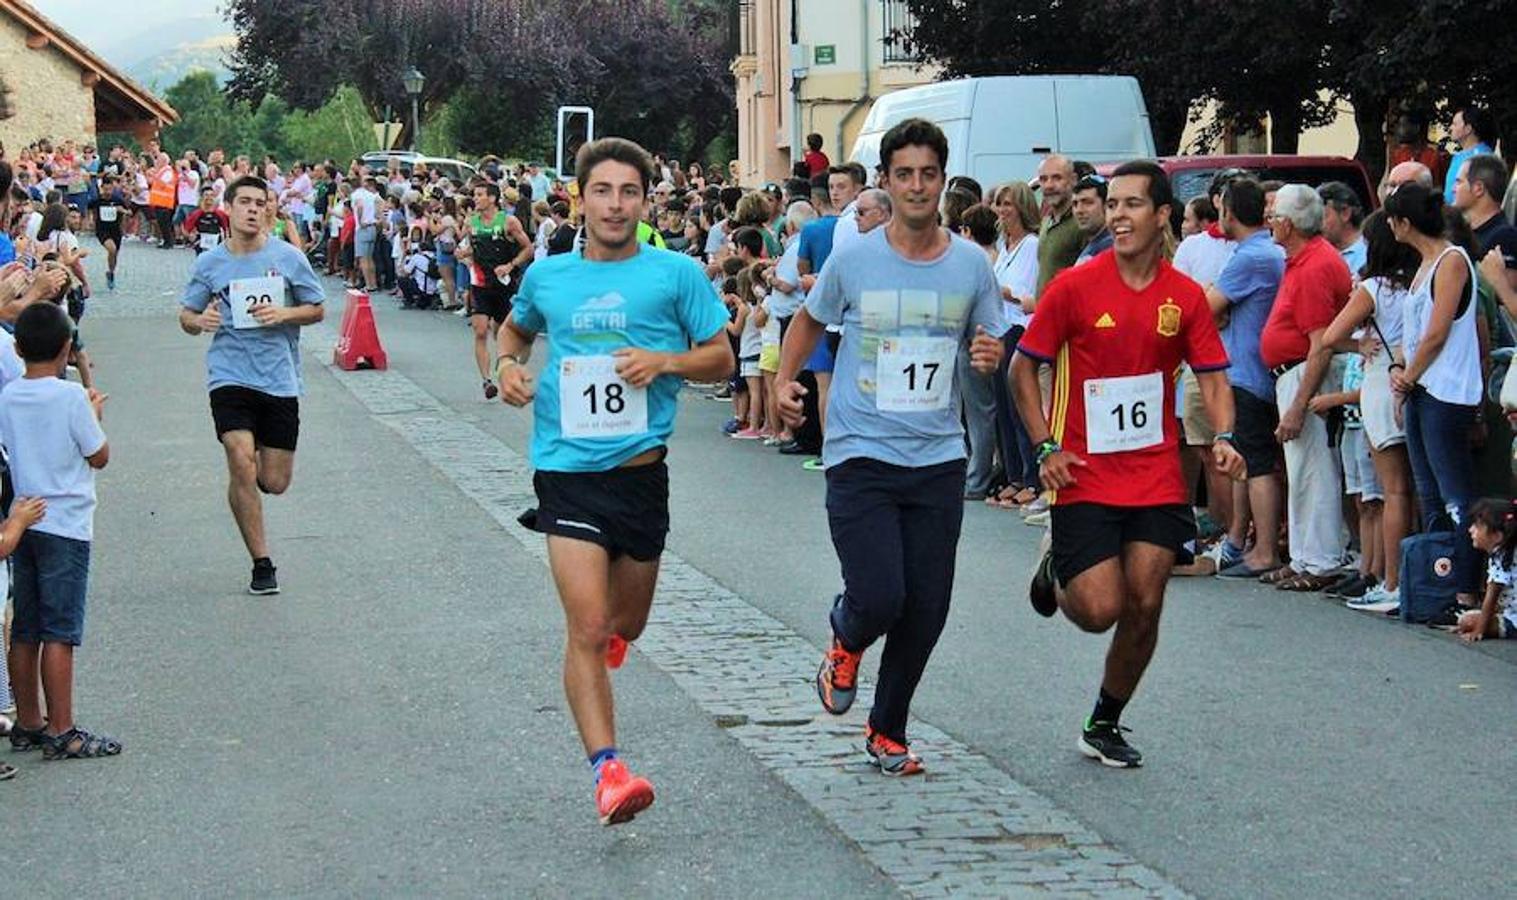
<point>1242,571</point>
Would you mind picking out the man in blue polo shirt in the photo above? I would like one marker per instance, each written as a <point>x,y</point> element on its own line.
<point>1241,299</point>
<point>626,322</point>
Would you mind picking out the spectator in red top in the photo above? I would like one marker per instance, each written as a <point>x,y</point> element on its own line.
<point>1408,143</point>
<point>816,161</point>
<point>1315,287</point>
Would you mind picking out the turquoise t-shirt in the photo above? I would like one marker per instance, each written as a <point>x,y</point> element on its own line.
<point>585,418</point>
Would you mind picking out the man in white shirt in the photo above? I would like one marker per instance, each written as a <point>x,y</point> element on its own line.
<point>844,183</point>
<point>187,193</point>
<point>365,205</point>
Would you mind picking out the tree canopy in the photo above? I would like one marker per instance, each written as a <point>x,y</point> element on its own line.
<point>1250,56</point>
<point>496,69</point>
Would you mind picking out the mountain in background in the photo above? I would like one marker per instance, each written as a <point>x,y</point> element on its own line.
<point>158,58</point>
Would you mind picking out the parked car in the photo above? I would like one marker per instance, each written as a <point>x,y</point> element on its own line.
<point>454,170</point>
<point>1191,176</point>
<point>1000,127</point>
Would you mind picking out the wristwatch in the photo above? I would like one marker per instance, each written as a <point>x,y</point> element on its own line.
<point>1046,449</point>
<point>1224,436</point>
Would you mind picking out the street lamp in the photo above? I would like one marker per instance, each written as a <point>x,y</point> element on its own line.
<point>414,82</point>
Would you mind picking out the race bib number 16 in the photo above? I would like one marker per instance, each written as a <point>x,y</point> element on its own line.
<point>594,401</point>
<point>1124,413</point>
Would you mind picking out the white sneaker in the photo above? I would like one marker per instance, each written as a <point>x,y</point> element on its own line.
<point>1377,600</point>
<point>1038,519</point>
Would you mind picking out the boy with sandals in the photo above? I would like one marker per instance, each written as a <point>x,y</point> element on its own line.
<point>51,429</point>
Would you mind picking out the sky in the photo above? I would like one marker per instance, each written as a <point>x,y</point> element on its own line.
<point>109,27</point>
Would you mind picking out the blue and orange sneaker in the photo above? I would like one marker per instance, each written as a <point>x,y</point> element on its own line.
<point>837,681</point>
<point>616,651</point>
<point>620,795</point>
<point>892,757</point>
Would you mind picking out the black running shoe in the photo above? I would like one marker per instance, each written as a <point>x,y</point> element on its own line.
<point>1043,591</point>
<point>264,580</point>
<point>1104,741</point>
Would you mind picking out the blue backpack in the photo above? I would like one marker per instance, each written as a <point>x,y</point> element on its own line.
<point>1427,576</point>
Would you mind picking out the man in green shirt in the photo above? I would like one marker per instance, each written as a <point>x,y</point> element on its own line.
<point>1059,239</point>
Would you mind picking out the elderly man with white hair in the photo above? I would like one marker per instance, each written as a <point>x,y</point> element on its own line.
<point>1315,287</point>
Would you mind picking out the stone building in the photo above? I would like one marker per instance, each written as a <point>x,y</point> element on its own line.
<point>53,86</point>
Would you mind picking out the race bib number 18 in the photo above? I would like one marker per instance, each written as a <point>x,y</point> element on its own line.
<point>1124,413</point>
<point>594,401</point>
<point>246,294</point>
<point>915,373</point>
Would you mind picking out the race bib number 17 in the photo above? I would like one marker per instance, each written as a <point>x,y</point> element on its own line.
<point>1124,413</point>
<point>594,401</point>
<point>914,373</point>
<point>246,294</point>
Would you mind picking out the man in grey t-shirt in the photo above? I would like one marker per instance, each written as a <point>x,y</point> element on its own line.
<point>911,298</point>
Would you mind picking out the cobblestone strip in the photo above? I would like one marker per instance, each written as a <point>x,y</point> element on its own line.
<point>964,829</point>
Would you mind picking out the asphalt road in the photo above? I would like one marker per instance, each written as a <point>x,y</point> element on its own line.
<point>393,724</point>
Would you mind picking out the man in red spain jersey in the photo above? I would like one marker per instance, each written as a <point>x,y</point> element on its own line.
<point>1116,331</point>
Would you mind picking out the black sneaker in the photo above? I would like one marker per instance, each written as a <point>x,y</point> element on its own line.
<point>264,580</point>
<point>1104,741</point>
<point>1043,591</point>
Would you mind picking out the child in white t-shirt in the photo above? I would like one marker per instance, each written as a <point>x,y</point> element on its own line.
<point>51,430</point>
<point>1493,530</point>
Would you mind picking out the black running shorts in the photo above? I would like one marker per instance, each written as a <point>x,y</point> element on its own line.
<point>624,510</point>
<point>274,421</point>
<point>1087,534</point>
<point>490,301</point>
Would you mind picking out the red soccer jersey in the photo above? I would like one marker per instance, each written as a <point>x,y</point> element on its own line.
<point>1116,353</point>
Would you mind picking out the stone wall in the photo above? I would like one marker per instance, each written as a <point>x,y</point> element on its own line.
<point>46,92</point>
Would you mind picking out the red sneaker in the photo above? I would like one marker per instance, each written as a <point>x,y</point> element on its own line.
<point>837,678</point>
<point>620,795</point>
<point>893,758</point>
<point>616,651</point>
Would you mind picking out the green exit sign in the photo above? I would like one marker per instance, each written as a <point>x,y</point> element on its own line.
<point>826,54</point>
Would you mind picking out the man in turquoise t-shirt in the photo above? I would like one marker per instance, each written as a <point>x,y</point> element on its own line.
<point>626,323</point>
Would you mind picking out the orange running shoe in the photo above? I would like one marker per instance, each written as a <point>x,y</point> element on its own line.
<point>616,651</point>
<point>894,758</point>
<point>620,795</point>
<point>837,679</point>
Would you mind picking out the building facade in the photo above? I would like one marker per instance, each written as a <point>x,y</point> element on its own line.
<point>813,66</point>
<point>52,86</point>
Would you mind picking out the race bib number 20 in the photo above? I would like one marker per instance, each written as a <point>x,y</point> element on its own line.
<point>246,294</point>
<point>594,401</point>
<point>1124,413</point>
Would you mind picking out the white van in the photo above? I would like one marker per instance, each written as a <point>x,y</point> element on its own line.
<point>1000,127</point>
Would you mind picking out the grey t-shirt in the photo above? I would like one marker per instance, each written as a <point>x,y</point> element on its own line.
<point>895,396</point>
<point>264,359</point>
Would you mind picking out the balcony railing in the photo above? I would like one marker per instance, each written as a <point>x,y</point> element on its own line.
<point>899,22</point>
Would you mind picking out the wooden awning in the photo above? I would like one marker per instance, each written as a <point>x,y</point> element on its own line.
<point>121,104</point>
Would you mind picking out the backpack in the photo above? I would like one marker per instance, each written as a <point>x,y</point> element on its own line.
<point>1427,576</point>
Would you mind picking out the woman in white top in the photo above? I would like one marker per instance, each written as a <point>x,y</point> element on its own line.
<point>1375,310</point>
<point>1440,384</point>
<point>1016,270</point>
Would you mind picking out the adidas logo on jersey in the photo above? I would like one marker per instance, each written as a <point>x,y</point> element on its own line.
<point>1106,321</point>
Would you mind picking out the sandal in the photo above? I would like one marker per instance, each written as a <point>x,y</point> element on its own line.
<point>76,743</point>
<point>8,771</point>
<point>1305,583</point>
<point>26,739</point>
<point>1275,576</point>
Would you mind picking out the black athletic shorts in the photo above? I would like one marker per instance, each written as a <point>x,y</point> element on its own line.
<point>624,510</point>
<point>274,421</point>
<point>1254,424</point>
<point>108,231</point>
<point>493,301</point>
<point>1086,534</point>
